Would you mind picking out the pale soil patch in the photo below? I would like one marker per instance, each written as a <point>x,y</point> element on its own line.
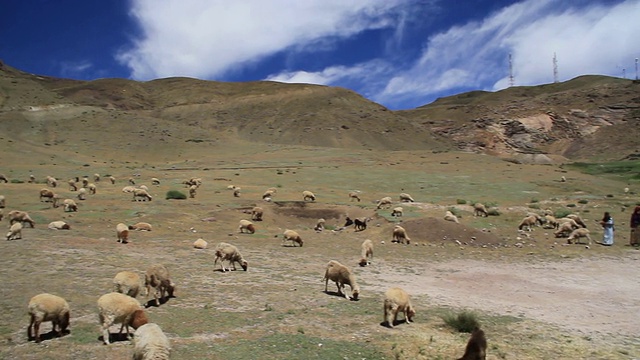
<point>594,296</point>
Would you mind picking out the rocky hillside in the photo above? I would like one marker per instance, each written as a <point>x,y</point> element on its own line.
<point>588,117</point>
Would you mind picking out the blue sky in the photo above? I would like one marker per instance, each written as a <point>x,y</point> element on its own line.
<point>399,53</point>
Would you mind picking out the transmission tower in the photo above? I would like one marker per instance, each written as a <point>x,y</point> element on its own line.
<point>555,68</point>
<point>511,79</point>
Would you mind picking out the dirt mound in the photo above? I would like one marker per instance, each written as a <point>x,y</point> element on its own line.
<point>433,229</point>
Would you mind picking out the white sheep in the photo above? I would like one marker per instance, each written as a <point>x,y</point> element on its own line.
<point>551,222</point>
<point>112,179</point>
<point>449,216</point>
<point>51,181</point>
<point>150,343</point>
<point>15,232</point>
<point>47,195</point>
<point>400,235</point>
<point>353,195</point>
<point>141,194</point>
<point>192,191</point>
<point>46,307</point>
<point>58,225</point>
<point>96,177</point>
<point>397,211</point>
<point>200,244</point>
<point>143,187</point>
<point>227,252</point>
<point>131,181</point>
<point>366,253</point>
<point>480,210</point>
<point>21,217</point>
<point>141,226</point>
<point>577,234</point>
<point>236,192</point>
<point>82,194</point>
<point>256,213</point>
<point>69,205</point>
<point>319,225</point>
<point>342,276</point>
<point>308,196</point>
<point>404,197</point>
<point>3,179</point>
<point>85,182</point>
<point>92,188</point>
<point>565,228</point>
<point>246,225</point>
<point>117,308</point>
<point>128,283</point>
<point>385,201</point>
<point>72,185</point>
<point>128,189</point>
<point>32,179</point>
<point>577,219</point>
<point>267,195</point>
<point>122,230</point>
<point>293,236</point>
<point>528,223</point>
<point>157,277</point>
<point>155,181</point>
<point>395,301</point>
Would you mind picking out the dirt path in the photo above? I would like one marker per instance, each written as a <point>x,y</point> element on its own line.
<point>592,296</point>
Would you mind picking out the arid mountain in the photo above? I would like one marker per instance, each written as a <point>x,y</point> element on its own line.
<point>588,117</point>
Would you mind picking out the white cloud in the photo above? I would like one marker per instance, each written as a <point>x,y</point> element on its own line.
<point>206,38</point>
<point>593,39</point>
<point>74,69</point>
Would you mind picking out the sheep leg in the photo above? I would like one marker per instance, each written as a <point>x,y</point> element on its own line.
<point>105,329</point>
<point>36,329</point>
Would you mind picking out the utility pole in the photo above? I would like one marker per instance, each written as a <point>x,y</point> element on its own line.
<point>511,79</point>
<point>636,68</point>
<point>555,68</point>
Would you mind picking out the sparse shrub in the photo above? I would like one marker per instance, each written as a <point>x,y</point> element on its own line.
<point>571,205</point>
<point>175,194</point>
<point>493,212</point>
<point>609,195</point>
<point>533,201</point>
<point>560,213</point>
<point>461,201</point>
<point>16,181</point>
<point>268,307</point>
<point>464,321</point>
<point>534,206</point>
<point>583,201</point>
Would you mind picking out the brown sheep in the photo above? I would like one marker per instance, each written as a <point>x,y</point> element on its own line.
<point>353,195</point>
<point>480,210</point>
<point>342,276</point>
<point>21,217</point>
<point>256,213</point>
<point>577,234</point>
<point>246,225</point>
<point>400,235</point>
<point>367,253</point>
<point>157,277</point>
<point>122,230</point>
<point>141,226</point>
<point>47,307</point>
<point>384,202</point>
<point>293,236</point>
<point>116,308</point>
<point>528,223</point>
<point>476,346</point>
<point>396,300</point>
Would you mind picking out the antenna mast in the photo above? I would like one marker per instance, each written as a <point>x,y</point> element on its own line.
<point>511,79</point>
<point>555,68</point>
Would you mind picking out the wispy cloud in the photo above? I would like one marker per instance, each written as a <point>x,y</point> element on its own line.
<point>206,38</point>
<point>75,69</point>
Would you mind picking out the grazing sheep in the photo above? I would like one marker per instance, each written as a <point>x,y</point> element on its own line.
<point>528,223</point>
<point>480,210</point>
<point>150,343</point>
<point>200,244</point>
<point>227,252</point>
<point>397,211</point>
<point>15,232</point>
<point>246,225</point>
<point>577,234</point>
<point>293,236</point>
<point>319,225</point>
<point>565,229</point>
<point>128,189</point>
<point>46,307</point>
<point>342,276</point>
<point>256,213</point>
<point>385,201</point>
<point>551,222</point>
<point>117,308</point>
<point>85,182</point>
<point>577,219</point>
<point>141,226</point>
<point>236,192</point>
<point>353,195</point>
<point>449,216</point>
<point>308,196</point>
<point>155,181</point>
<point>3,179</point>
<point>128,283</point>
<point>141,194</point>
<point>92,188</point>
<point>2,201</point>
<point>82,194</point>
<point>268,195</point>
<point>367,253</point>
<point>360,224</point>
<point>476,346</point>
<point>563,179</point>
<point>193,181</point>
<point>396,300</point>
<point>51,181</point>
<point>157,277</point>
<point>132,181</point>
<point>1,215</point>
<point>143,187</point>
<point>47,195</point>
<point>571,221</point>
<point>112,179</point>
<point>21,217</point>
<point>122,231</point>
<point>72,185</point>
<point>400,235</point>
<point>192,191</point>
<point>96,177</point>
<point>404,197</point>
<point>59,225</point>
<point>70,205</point>
<point>32,179</point>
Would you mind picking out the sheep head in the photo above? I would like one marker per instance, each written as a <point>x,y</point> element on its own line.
<point>355,293</point>
<point>363,262</point>
<point>244,264</point>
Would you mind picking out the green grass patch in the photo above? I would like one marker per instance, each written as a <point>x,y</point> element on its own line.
<point>464,321</point>
<point>626,169</point>
<point>175,195</point>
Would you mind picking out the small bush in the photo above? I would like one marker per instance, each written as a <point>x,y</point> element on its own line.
<point>465,321</point>
<point>561,213</point>
<point>16,181</point>
<point>571,205</point>
<point>583,201</point>
<point>533,201</point>
<point>493,212</point>
<point>461,201</point>
<point>175,194</point>
<point>534,206</point>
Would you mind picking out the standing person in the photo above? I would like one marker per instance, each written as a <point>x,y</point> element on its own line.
<point>607,225</point>
<point>634,237</point>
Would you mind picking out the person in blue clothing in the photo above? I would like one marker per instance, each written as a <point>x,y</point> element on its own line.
<point>607,225</point>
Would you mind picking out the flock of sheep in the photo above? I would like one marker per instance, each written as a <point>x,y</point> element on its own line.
<point>122,307</point>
